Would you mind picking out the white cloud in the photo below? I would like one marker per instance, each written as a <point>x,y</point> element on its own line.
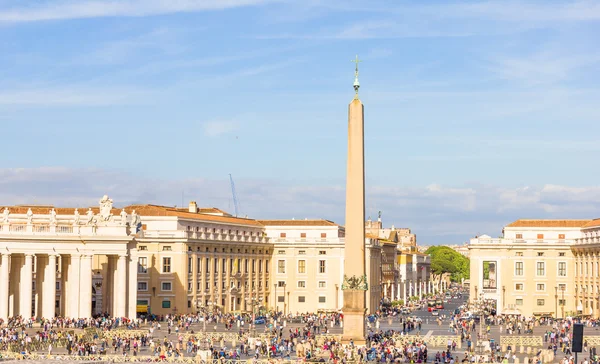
<point>436,213</point>
<point>75,9</point>
<point>73,95</point>
<point>218,127</point>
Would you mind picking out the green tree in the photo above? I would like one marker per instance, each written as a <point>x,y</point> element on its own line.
<point>445,260</point>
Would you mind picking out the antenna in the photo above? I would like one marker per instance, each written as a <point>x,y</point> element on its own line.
<point>235,201</point>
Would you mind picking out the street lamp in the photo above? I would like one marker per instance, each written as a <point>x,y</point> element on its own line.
<point>275,295</point>
<point>563,301</point>
<point>284,308</point>
<point>555,302</point>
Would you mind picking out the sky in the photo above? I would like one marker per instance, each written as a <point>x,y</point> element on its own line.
<point>476,113</point>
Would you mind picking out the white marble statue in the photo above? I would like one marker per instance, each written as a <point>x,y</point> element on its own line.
<point>123,217</point>
<point>5,215</point>
<point>90,216</point>
<point>29,216</point>
<point>77,217</point>
<point>135,221</point>
<point>106,205</point>
<point>52,217</point>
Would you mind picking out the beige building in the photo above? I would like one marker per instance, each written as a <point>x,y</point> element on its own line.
<point>530,269</point>
<point>586,252</point>
<point>307,264</point>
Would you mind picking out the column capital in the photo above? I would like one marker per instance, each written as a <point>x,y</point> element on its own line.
<point>30,255</point>
<point>123,256</point>
<point>7,254</point>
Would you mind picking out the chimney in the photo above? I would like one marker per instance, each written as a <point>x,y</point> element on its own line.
<point>193,207</point>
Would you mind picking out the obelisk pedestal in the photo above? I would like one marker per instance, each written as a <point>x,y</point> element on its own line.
<point>355,281</point>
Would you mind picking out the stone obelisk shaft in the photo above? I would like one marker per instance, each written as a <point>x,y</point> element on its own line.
<point>354,264</point>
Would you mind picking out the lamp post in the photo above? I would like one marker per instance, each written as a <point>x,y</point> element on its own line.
<point>503,298</point>
<point>563,302</point>
<point>275,294</point>
<point>252,302</point>
<point>555,302</point>
<point>284,308</point>
<point>337,287</point>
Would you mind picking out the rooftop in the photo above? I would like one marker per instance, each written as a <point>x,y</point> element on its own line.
<point>593,223</point>
<point>318,222</point>
<point>549,223</point>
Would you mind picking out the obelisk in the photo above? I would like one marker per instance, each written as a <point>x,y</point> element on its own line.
<point>355,280</point>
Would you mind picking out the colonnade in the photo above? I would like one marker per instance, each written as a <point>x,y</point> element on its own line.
<point>251,273</point>
<point>63,285</point>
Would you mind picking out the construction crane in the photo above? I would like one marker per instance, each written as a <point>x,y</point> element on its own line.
<point>235,201</point>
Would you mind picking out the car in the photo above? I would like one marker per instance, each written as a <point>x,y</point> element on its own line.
<point>260,321</point>
<point>435,313</point>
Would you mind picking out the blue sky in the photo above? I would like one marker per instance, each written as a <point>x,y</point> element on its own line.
<point>477,113</point>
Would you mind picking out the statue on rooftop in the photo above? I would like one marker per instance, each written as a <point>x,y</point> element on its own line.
<point>106,205</point>
<point>29,216</point>
<point>5,215</point>
<point>77,217</point>
<point>90,216</point>
<point>52,217</point>
<point>123,217</point>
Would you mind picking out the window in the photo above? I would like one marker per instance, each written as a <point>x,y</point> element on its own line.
<point>540,287</point>
<point>518,268</point>
<point>267,266</point>
<point>519,302</point>
<point>301,252</point>
<point>541,269</point>
<point>561,254</point>
<point>323,235</point>
<point>322,299</point>
<point>167,248</point>
<point>301,299</point>
<point>281,252</point>
<point>519,287</point>
<point>166,265</point>
<point>562,287</point>
<point>166,304</point>
<point>166,286</point>
<point>282,235</point>
<point>281,266</point>
<point>301,284</point>
<point>322,266</point>
<point>519,236</point>
<point>281,284</point>
<point>280,299</point>
<point>562,302</point>
<point>58,286</point>
<point>322,284</point>
<point>303,235</point>
<point>541,302</point>
<point>540,236</point>
<point>322,252</point>
<point>142,286</point>
<point>302,266</point>
<point>190,264</point>
<point>540,254</point>
<point>519,254</point>
<point>142,247</point>
<point>561,236</point>
<point>562,269</point>
<point>143,265</point>
<point>189,287</point>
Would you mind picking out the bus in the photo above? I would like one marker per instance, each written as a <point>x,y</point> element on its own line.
<point>439,304</point>
<point>430,305</point>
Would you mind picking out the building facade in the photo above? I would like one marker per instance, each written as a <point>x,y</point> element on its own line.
<point>586,252</point>
<point>530,270</point>
<point>307,264</point>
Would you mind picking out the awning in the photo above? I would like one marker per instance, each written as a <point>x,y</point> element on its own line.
<point>511,311</point>
<point>141,308</point>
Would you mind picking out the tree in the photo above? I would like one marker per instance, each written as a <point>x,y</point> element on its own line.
<point>445,260</point>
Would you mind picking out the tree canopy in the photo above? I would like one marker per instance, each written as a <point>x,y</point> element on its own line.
<point>447,260</point>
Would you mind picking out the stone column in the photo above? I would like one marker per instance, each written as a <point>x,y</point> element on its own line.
<point>219,271</point>
<point>121,287</point>
<point>203,273</point>
<point>49,288</point>
<point>265,286</point>
<point>74,286</point>
<point>132,282</point>
<point>85,287</point>
<point>16,262</point>
<point>4,283</point>
<point>26,288</point>
<point>211,279</point>
<point>194,279</point>
<point>228,283</point>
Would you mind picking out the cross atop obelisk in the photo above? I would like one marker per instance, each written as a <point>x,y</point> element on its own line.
<point>356,83</point>
<point>355,284</point>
